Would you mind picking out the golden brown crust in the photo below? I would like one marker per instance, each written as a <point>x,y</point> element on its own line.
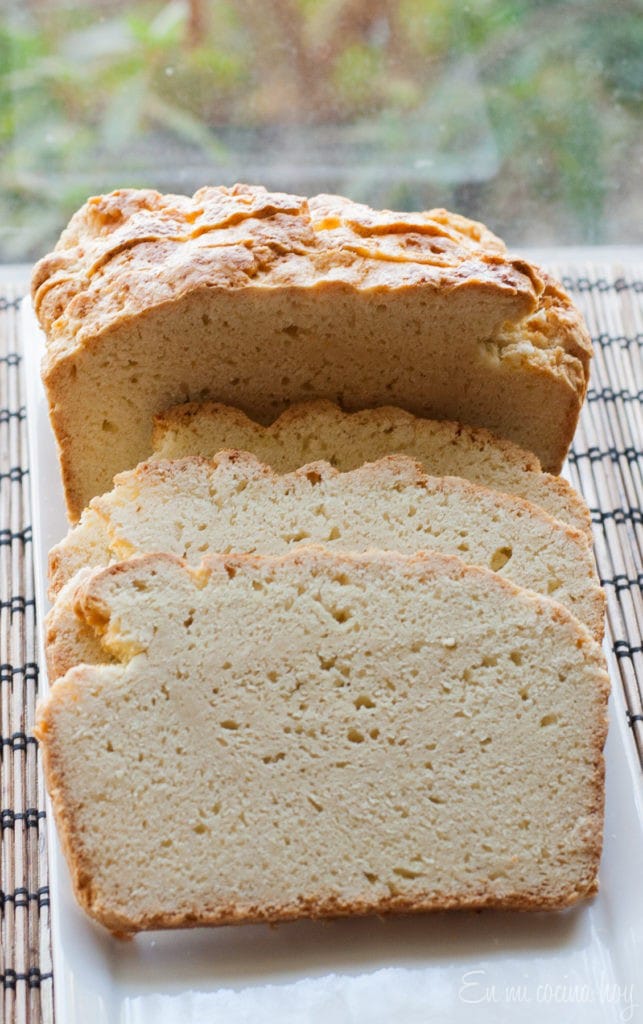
<point>99,271</point>
<point>227,237</point>
<point>318,908</point>
<point>61,653</point>
<point>556,331</point>
<point>68,638</point>
<point>91,603</point>
<point>134,264</point>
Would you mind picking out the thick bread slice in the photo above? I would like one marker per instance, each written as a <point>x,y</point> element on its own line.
<point>261,299</point>
<point>190,507</point>
<point>321,430</point>
<point>324,734</point>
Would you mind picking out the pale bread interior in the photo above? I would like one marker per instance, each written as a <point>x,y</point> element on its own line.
<point>192,507</point>
<point>323,734</point>
<point>321,430</point>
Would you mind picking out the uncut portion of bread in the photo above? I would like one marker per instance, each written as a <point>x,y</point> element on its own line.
<point>260,299</point>
<point>324,734</point>
<point>321,430</point>
<point>190,507</point>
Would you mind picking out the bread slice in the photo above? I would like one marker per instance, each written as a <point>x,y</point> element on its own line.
<point>191,507</point>
<point>324,734</point>
<point>321,430</point>
<point>260,299</point>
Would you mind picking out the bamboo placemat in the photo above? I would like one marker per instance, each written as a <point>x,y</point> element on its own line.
<point>25,948</point>
<point>606,464</point>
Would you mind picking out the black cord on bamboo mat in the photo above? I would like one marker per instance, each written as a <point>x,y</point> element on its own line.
<point>618,340</point>
<point>17,741</point>
<point>33,977</point>
<point>624,649</point>
<point>13,414</point>
<point>16,474</point>
<point>9,536</point>
<point>21,897</point>
<point>622,582</point>
<point>595,454</point>
<point>31,817</point>
<point>583,284</point>
<point>619,515</point>
<point>18,605</point>
<point>610,395</point>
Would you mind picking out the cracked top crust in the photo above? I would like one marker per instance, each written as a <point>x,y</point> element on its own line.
<point>131,250</point>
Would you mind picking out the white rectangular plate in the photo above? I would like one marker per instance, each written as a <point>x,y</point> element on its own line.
<point>584,964</point>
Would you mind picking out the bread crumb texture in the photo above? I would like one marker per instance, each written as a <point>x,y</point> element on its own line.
<point>310,431</point>
<point>260,300</point>
<point>321,734</point>
<point>234,503</point>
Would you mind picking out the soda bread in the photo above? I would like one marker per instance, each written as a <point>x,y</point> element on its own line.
<point>260,299</point>
<point>191,507</point>
<point>321,430</point>
<point>324,734</point>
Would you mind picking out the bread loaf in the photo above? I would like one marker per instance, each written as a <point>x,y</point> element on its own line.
<point>321,430</point>
<point>324,734</point>
<point>191,507</point>
<point>260,300</point>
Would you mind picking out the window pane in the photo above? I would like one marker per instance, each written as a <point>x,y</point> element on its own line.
<point>525,114</point>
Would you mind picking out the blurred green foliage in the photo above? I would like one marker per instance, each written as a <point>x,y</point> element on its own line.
<point>526,114</point>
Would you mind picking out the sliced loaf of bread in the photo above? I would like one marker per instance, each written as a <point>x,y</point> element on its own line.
<point>321,430</point>
<point>261,299</point>
<point>324,734</point>
<point>191,507</point>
